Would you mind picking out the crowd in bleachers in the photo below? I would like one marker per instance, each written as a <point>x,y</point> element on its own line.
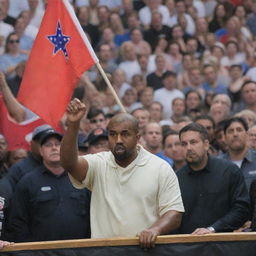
<point>171,62</point>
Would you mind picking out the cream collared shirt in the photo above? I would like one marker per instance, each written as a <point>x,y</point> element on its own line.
<point>127,200</point>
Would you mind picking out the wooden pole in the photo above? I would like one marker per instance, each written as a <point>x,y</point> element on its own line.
<point>102,72</point>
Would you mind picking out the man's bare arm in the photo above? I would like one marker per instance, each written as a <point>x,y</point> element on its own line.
<point>167,222</point>
<point>71,162</point>
<point>14,108</point>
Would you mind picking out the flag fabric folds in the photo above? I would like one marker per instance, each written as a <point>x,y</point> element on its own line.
<point>60,55</point>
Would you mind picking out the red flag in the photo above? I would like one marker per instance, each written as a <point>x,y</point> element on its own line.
<point>60,55</point>
<point>17,135</point>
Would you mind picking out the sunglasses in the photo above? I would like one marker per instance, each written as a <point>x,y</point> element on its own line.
<point>14,41</point>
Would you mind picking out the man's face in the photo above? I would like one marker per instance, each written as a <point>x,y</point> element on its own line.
<point>195,76</point>
<point>105,52</point>
<point>220,139</point>
<point>155,111</point>
<point>252,137</point>
<point>180,7</point>
<point>236,137</point>
<point>146,98</point>
<point>192,46</point>
<point>210,75</point>
<point>153,135</point>
<point>122,140</point>
<point>208,125</point>
<point>178,107</point>
<point>142,116</point>
<point>101,145</point>
<point>194,147</point>
<point>221,101</point>
<point>160,63</point>
<point>193,100</point>
<point>235,73</point>
<point>50,150</point>
<point>173,148</point>
<point>98,121</point>
<point>169,82</point>
<point>249,93</point>
<point>17,155</point>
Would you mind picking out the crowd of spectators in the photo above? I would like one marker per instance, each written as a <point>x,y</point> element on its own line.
<point>171,62</point>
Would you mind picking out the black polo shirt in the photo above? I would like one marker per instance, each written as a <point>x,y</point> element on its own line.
<point>214,196</point>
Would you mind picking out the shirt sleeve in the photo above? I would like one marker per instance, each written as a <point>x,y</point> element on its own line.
<point>19,215</point>
<point>169,191</point>
<point>239,211</point>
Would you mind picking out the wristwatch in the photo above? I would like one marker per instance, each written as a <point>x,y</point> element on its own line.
<point>211,229</point>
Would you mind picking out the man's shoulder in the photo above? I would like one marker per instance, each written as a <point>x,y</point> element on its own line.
<point>154,160</point>
<point>32,176</point>
<point>102,156</point>
<point>214,163</point>
<point>160,91</point>
<point>24,165</point>
<point>223,165</point>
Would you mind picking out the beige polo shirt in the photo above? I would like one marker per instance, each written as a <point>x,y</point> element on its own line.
<point>127,200</point>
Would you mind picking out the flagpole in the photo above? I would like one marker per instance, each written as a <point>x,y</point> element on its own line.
<point>102,72</point>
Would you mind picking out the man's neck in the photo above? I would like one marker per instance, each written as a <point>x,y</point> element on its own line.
<point>252,107</point>
<point>153,150</point>
<point>178,164</point>
<point>124,163</point>
<point>55,168</point>
<point>237,155</point>
<point>200,166</point>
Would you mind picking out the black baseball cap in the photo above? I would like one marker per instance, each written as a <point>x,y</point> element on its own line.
<point>96,134</point>
<point>39,130</point>
<point>48,134</point>
<point>81,141</point>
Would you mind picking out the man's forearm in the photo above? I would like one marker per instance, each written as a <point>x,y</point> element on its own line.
<point>168,222</point>
<point>69,151</point>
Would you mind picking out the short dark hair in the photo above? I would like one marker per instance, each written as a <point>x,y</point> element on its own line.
<point>247,82</point>
<point>93,112</point>
<point>169,133</point>
<point>205,117</point>
<point>193,91</point>
<point>233,120</point>
<point>168,73</point>
<point>220,126</point>
<point>236,66</point>
<point>195,128</point>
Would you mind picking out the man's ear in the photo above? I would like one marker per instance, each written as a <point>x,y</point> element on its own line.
<point>206,145</point>
<point>40,150</point>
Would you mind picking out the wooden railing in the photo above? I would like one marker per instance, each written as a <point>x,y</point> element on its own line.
<point>170,239</point>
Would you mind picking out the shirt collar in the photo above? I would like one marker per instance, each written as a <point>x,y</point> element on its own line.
<point>140,160</point>
<point>44,170</point>
<point>250,155</point>
<point>205,169</point>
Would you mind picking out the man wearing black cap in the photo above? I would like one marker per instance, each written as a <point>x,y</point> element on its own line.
<point>17,171</point>
<point>82,145</point>
<point>45,205</point>
<point>97,141</point>
<point>167,94</point>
